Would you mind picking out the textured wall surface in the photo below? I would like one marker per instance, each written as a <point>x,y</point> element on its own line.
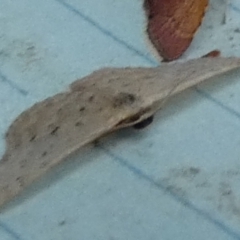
<point>176,179</point>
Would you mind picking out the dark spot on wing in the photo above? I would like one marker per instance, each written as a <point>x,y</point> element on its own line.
<point>91,98</point>
<point>44,154</point>
<point>32,138</point>
<point>126,84</point>
<point>20,181</point>
<point>22,165</point>
<point>54,131</point>
<point>81,109</point>
<point>59,110</point>
<point>44,164</point>
<point>123,99</point>
<point>77,124</point>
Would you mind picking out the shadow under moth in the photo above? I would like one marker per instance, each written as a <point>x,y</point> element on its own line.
<point>106,100</point>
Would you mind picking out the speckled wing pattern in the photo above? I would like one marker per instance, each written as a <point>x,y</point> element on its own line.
<point>106,100</point>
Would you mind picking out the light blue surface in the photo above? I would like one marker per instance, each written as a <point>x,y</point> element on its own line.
<point>177,179</point>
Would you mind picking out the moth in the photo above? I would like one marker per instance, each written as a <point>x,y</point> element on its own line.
<point>106,100</point>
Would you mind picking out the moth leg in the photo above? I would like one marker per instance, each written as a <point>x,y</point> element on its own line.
<point>146,122</point>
